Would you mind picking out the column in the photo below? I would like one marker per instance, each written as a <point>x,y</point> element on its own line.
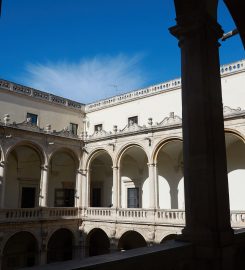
<point>205,174</point>
<point>78,197</point>
<point>84,189</point>
<point>88,184</point>
<point>152,191</point>
<point>156,186</point>
<point>2,183</point>
<point>44,186</point>
<point>115,187</point>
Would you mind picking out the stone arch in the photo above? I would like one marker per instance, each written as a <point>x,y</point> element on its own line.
<point>62,172</point>
<point>169,160</point>
<point>124,148</point>
<point>168,237</point>
<point>60,246</point>
<point>130,240</point>
<point>23,174</point>
<point>93,155</point>
<point>68,151</point>
<point>20,250</point>
<point>235,152</point>
<point>35,146</point>
<point>134,177</point>
<point>97,242</point>
<point>100,180</point>
<point>161,144</point>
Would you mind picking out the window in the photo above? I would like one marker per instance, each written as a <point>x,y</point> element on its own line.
<point>64,197</point>
<point>31,118</point>
<point>98,127</point>
<point>132,120</point>
<point>133,197</point>
<point>73,128</point>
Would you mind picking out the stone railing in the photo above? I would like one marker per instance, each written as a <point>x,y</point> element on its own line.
<point>37,94</point>
<point>39,213</point>
<point>134,215</point>
<point>155,89</point>
<point>175,217</point>
<point>238,219</point>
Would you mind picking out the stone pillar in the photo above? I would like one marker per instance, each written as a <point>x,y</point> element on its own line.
<point>2,183</point>
<point>119,188</point>
<point>44,186</point>
<point>78,197</point>
<point>84,189</point>
<point>152,185</point>
<point>205,174</point>
<point>156,186</point>
<point>88,186</point>
<point>115,187</point>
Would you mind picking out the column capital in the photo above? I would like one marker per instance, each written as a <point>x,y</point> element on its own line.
<point>3,163</point>
<point>191,25</point>
<point>44,167</point>
<point>151,164</point>
<point>115,167</point>
<point>79,171</point>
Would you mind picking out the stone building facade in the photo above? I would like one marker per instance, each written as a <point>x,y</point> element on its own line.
<point>80,180</point>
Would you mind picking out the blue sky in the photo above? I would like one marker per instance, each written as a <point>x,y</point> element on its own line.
<point>92,49</point>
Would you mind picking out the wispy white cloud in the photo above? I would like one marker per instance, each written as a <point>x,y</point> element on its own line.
<point>89,79</point>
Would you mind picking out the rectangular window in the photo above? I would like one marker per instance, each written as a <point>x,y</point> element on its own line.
<point>98,127</point>
<point>132,120</point>
<point>32,118</point>
<point>64,197</point>
<point>133,197</point>
<point>73,128</point>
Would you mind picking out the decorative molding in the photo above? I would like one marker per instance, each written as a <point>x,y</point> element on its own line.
<point>171,120</point>
<point>99,133</point>
<point>131,128</point>
<point>231,111</point>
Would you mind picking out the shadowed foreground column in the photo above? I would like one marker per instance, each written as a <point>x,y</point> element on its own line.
<point>206,185</point>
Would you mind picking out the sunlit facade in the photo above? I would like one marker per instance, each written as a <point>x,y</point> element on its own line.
<point>81,180</point>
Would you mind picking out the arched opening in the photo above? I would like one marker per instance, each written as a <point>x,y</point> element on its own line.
<point>170,175</point>
<point>23,177</point>
<point>168,237</point>
<point>134,178</point>
<point>21,250</point>
<point>101,180</point>
<point>62,180</point>
<point>130,240</point>
<point>60,246</point>
<point>235,151</point>
<point>97,243</point>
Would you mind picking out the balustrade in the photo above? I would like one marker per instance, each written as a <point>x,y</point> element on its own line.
<point>134,215</point>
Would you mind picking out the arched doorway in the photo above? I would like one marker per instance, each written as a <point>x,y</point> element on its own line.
<point>170,175</point>
<point>21,250</point>
<point>235,152</point>
<point>97,243</point>
<point>62,179</point>
<point>23,177</point>
<point>60,246</point>
<point>130,240</point>
<point>101,180</point>
<point>134,178</point>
